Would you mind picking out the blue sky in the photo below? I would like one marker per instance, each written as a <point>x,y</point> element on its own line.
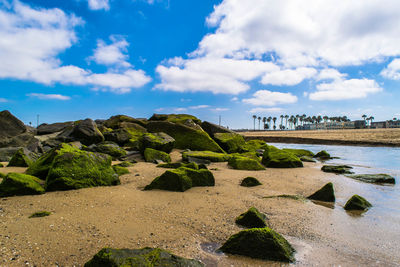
<point>68,60</point>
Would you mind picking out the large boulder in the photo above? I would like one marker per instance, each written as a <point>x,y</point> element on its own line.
<point>10,126</point>
<point>67,167</point>
<point>18,184</point>
<point>326,193</point>
<point>186,137</point>
<point>206,155</point>
<point>299,152</point>
<point>53,127</point>
<point>338,169</point>
<point>158,141</point>
<point>26,140</point>
<point>278,158</point>
<point>373,178</point>
<point>212,128</point>
<point>109,257</point>
<point>357,202</point>
<point>6,153</point>
<point>21,158</point>
<point>152,155</point>
<point>230,142</point>
<point>109,148</point>
<point>254,145</point>
<point>250,182</point>
<point>261,243</point>
<point>175,118</point>
<point>115,122</point>
<point>129,135</point>
<point>245,163</point>
<point>200,177</point>
<point>252,218</point>
<point>85,131</point>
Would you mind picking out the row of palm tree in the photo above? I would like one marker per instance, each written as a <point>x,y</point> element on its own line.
<point>368,119</point>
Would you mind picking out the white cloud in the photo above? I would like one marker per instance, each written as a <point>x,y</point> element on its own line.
<point>219,109</point>
<point>288,76</point>
<point>330,74</point>
<point>345,89</point>
<point>199,107</point>
<point>265,110</point>
<point>180,109</point>
<point>49,96</point>
<point>234,99</point>
<point>268,98</point>
<point>392,71</point>
<point>32,39</point>
<point>98,4</point>
<point>112,54</point>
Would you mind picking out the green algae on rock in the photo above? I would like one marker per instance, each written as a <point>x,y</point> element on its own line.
<point>109,148</point>
<point>175,118</point>
<point>109,257</point>
<point>125,164</point>
<point>357,202</point>
<point>1,165</point>
<point>260,243</point>
<point>152,155</point>
<point>373,178</point>
<point>230,142</point>
<point>200,177</point>
<point>207,155</point>
<point>20,159</point>
<point>250,182</point>
<point>18,184</point>
<point>114,122</point>
<point>326,193</point>
<point>120,170</point>
<point>252,218</point>
<point>254,145</point>
<point>159,141</point>
<point>299,152</point>
<point>322,155</point>
<point>307,159</point>
<point>244,163</point>
<point>176,165</point>
<point>39,214</point>
<point>338,169</point>
<point>278,158</point>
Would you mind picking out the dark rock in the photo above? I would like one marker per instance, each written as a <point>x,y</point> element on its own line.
<point>109,148</point>
<point>277,158</point>
<point>198,161</point>
<point>322,155</point>
<point>114,122</point>
<point>212,128</point>
<point>357,202</point>
<point>125,164</point>
<point>252,218</point>
<point>18,184</point>
<point>84,131</point>
<point>206,155</point>
<point>307,159</point>
<point>244,163</point>
<point>200,177</point>
<point>53,128</point>
<point>175,118</point>
<point>373,178</point>
<point>6,153</point>
<point>338,169</point>
<point>176,165</point>
<point>40,214</point>
<point>158,141</point>
<point>250,182</point>
<point>109,257</point>
<point>151,155</point>
<point>326,193</point>
<point>26,139</point>
<point>261,243</point>
<point>21,158</point>
<point>10,126</point>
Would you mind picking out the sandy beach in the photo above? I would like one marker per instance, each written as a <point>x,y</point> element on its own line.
<point>190,223</point>
<point>372,137</point>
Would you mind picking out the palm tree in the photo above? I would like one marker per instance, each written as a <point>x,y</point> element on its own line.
<point>371,119</point>
<point>281,116</point>
<point>286,118</point>
<point>264,120</point>
<point>364,117</point>
<point>269,121</point>
<point>325,118</point>
<point>254,118</point>
<point>274,119</point>
<point>259,120</point>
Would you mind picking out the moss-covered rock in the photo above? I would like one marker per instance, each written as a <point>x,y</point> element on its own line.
<point>84,131</point>
<point>307,159</point>
<point>373,178</point>
<point>357,202</point>
<point>175,118</point>
<point>338,169</point>
<point>109,257</point>
<point>115,122</point>
<point>254,145</point>
<point>120,170</point>
<point>125,164</point>
<point>200,177</point>
<point>2,175</point>
<point>252,155</point>
<point>252,218</point>
<point>278,158</point>
<point>109,148</point>
<point>1,165</point>
<point>152,155</point>
<point>176,165</point>
<point>250,182</point>
<point>230,142</point>
<point>322,155</point>
<point>244,163</point>
<point>212,128</point>
<point>18,184</point>
<point>207,155</point>
<point>40,168</point>
<point>185,137</point>
<point>261,243</point>
<point>20,159</point>
<point>39,214</point>
<point>299,152</point>
<point>171,180</point>
<point>326,193</point>
<point>159,141</point>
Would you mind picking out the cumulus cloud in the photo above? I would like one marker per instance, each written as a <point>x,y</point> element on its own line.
<point>288,76</point>
<point>112,54</point>
<point>32,39</point>
<point>199,107</point>
<point>345,89</point>
<point>330,74</point>
<point>98,4</point>
<point>49,96</point>
<point>268,98</point>
<point>392,71</point>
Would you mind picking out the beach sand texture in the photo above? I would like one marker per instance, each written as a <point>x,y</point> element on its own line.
<point>84,221</point>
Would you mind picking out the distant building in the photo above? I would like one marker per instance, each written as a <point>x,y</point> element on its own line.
<point>385,124</point>
<point>333,125</point>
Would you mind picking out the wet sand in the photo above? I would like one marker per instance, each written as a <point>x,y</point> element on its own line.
<point>84,221</point>
<point>371,137</point>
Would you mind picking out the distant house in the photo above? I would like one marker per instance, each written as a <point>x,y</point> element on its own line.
<point>360,124</point>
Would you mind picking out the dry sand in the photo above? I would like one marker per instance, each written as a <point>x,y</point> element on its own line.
<point>84,221</point>
<point>389,137</point>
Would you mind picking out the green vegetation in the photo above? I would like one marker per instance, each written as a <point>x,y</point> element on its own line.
<point>151,155</point>
<point>18,184</point>
<point>322,155</point>
<point>120,170</point>
<point>176,165</point>
<point>110,149</point>
<point>357,202</point>
<point>39,214</point>
<point>277,158</point>
<point>299,152</point>
<point>159,141</point>
<point>175,118</point>
<point>230,142</point>
<point>338,169</point>
<point>244,163</point>
<point>207,155</point>
<point>326,193</point>
<point>1,165</point>
<point>125,164</point>
<point>250,182</point>
<point>252,218</point>
<point>20,159</point>
<point>253,145</point>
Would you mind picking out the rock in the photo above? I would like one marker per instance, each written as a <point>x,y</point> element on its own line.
<point>6,153</point>
<point>185,137</point>
<point>200,177</point>
<point>230,142</point>
<point>120,170</point>
<point>151,155</point>
<point>109,257</point>
<point>40,214</point>
<point>175,118</point>
<point>326,193</point>
<point>373,178</point>
<point>357,202</point>
<point>125,164</point>
<point>1,165</point>
<point>84,131</point>
<point>277,158</point>
<point>176,165</point>
<point>20,159</point>
<point>244,163</point>
<point>252,218</point>
<point>254,145</point>
<point>119,136</point>
<point>67,167</point>
<point>18,184</point>
<point>10,126</point>
<point>212,128</point>
<point>26,140</point>
<point>307,159</point>
<point>207,155</point>
<point>299,152</point>
<point>322,155</point>
<point>114,122</point>
<point>2,175</point>
<point>53,128</point>
<point>338,169</point>
<point>159,141</point>
<point>250,182</point>
<point>109,148</point>
<point>251,155</point>
<point>198,161</point>
<point>261,243</point>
